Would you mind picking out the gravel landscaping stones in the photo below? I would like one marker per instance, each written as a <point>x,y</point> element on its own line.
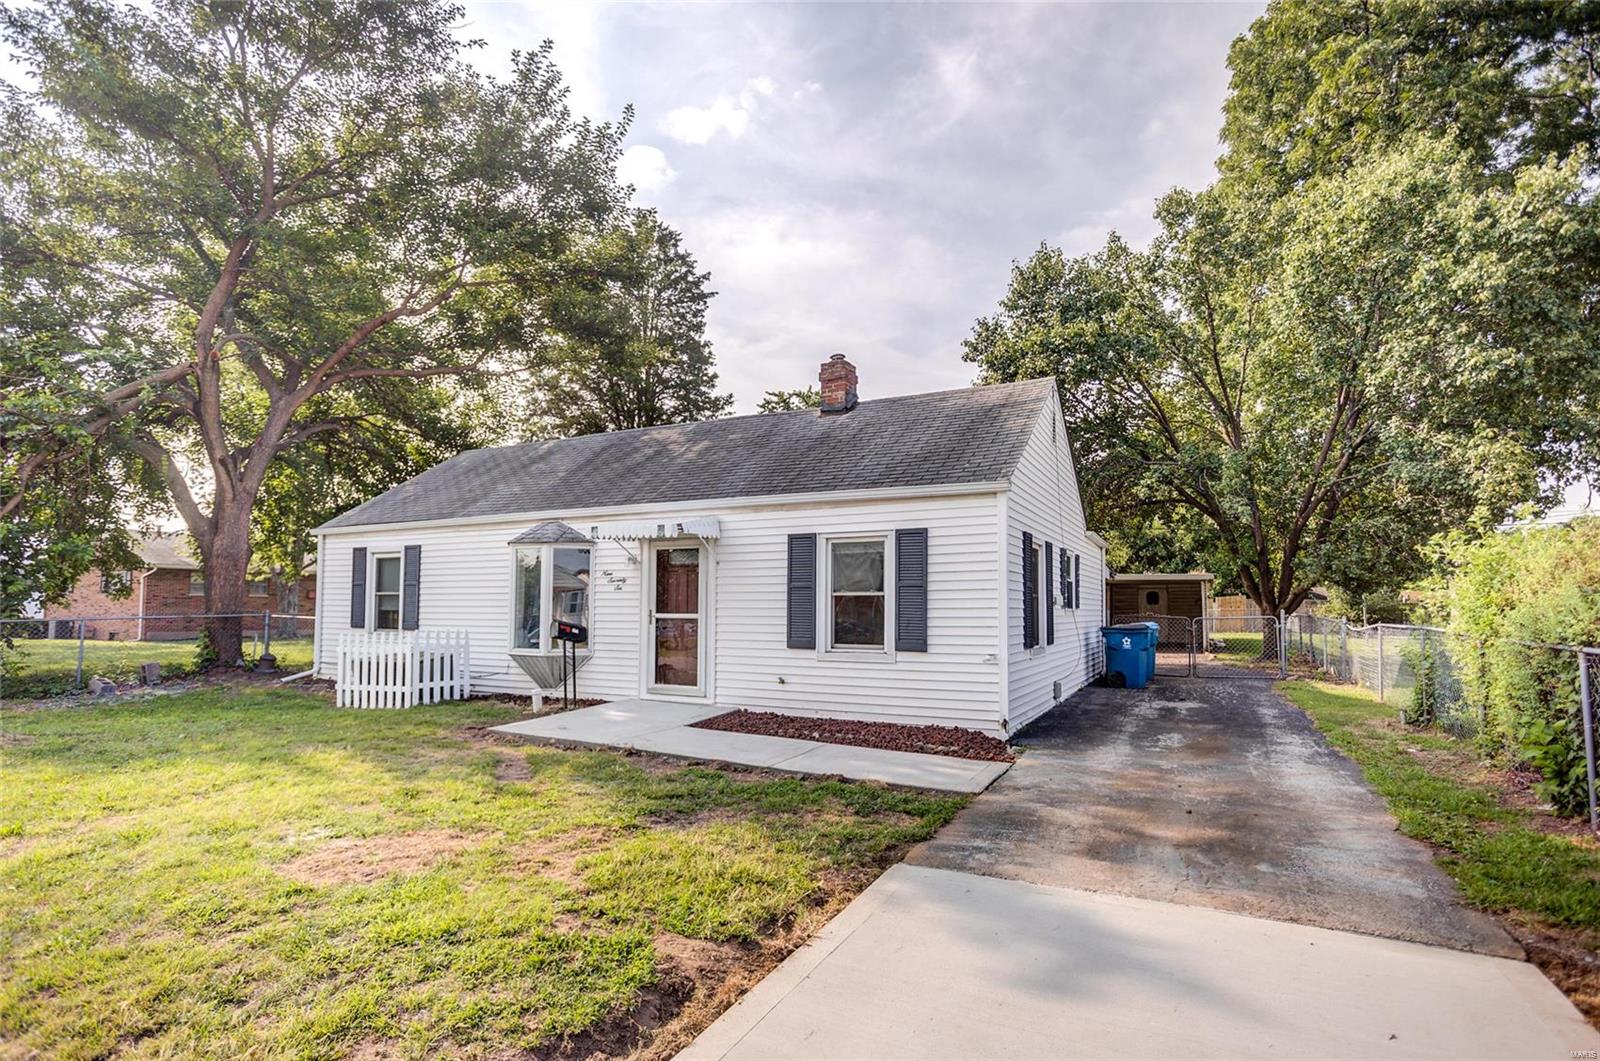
<point>888,736</point>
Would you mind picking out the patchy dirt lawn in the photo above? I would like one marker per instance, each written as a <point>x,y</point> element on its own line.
<point>246,870</point>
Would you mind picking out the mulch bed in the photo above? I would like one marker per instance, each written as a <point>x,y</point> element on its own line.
<point>889,736</point>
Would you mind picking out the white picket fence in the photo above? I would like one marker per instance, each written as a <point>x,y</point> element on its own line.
<point>392,669</point>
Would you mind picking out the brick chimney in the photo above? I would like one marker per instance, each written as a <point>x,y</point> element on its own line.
<point>838,378</point>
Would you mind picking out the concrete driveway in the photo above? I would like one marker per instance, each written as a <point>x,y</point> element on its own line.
<point>932,964</point>
<point>1162,874</point>
<point>1210,793</point>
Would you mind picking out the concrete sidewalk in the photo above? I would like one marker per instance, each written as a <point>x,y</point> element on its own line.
<point>929,963</point>
<point>664,728</point>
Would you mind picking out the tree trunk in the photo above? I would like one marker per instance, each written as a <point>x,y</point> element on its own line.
<point>226,562</point>
<point>288,586</point>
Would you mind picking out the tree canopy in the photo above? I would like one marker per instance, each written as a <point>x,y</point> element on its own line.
<point>1303,388</point>
<point>1378,324</point>
<point>1318,84</point>
<point>273,218</point>
<point>630,310</point>
<point>780,401</point>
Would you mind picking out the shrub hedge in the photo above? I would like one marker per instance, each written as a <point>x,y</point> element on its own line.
<point>1505,598</point>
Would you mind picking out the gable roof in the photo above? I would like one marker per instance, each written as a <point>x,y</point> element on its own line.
<point>166,550</point>
<point>971,435</point>
<point>547,533</point>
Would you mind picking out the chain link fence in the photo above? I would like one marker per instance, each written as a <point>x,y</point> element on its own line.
<point>58,655</point>
<point>1426,673</point>
<point>1390,660</point>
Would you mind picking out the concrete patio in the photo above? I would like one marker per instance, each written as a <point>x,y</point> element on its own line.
<point>666,729</point>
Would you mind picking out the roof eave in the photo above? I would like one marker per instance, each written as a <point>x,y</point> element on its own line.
<point>689,505</point>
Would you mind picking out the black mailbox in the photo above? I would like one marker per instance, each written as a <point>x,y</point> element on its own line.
<point>573,632</point>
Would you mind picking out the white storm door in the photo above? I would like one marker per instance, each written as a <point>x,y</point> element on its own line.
<point>677,627</point>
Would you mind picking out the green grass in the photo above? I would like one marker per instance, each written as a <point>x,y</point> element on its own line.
<point>1501,860</point>
<point>150,902</point>
<point>1239,647</point>
<point>47,667</point>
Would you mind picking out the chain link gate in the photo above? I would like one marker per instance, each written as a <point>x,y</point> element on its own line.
<point>1238,646</point>
<point>1174,642</point>
<point>1218,646</point>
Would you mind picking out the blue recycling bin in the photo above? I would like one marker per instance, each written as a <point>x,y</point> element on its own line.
<point>1131,652</point>
<point>1154,643</point>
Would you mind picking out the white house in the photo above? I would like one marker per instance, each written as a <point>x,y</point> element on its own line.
<point>911,559</point>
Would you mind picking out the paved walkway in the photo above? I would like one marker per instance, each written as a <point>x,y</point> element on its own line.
<point>1163,873</point>
<point>664,728</point>
<point>927,963</point>
<point>1213,793</point>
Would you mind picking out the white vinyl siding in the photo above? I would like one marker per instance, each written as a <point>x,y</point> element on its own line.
<point>956,682</point>
<point>1044,501</point>
<point>467,583</point>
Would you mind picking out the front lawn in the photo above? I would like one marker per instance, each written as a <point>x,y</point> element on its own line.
<point>1509,857</point>
<point>247,870</point>
<point>48,666</point>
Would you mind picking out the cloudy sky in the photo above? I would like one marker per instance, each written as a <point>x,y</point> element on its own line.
<point>859,178</point>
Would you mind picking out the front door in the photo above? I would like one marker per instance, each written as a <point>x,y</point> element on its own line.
<point>677,658</point>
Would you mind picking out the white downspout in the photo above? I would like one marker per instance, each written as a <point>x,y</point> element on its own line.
<point>1003,523</point>
<point>316,611</point>
<point>143,577</point>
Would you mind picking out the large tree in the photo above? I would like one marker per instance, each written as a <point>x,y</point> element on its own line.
<point>1319,84</point>
<point>289,197</point>
<point>631,309</point>
<point>1311,385</point>
<point>417,425</point>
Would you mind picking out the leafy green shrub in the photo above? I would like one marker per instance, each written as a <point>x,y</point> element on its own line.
<point>1423,707</point>
<point>1509,595</point>
<point>205,653</point>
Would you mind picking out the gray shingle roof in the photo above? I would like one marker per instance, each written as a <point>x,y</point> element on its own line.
<point>972,435</point>
<point>546,533</point>
<point>170,550</point>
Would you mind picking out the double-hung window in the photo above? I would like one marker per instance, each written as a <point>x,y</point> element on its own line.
<point>857,605</point>
<point>386,591</point>
<point>552,584</point>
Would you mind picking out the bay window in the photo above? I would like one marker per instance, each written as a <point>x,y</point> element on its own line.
<point>551,585</point>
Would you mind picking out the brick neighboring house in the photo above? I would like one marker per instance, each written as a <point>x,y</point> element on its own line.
<point>156,602</point>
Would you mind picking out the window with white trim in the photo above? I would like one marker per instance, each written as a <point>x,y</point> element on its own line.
<point>552,584</point>
<point>386,591</point>
<point>197,584</point>
<point>857,607</point>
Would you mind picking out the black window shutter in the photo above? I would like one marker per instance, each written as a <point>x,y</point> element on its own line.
<point>911,590</point>
<point>411,582</point>
<point>358,589</point>
<point>1047,589</point>
<point>802,591</point>
<point>1030,595</point>
<point>1077,577</point>
<point>1069,599</point>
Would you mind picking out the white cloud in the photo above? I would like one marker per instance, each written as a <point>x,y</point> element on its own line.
<point>729,114</point>
<point>645,167</point>
<point>575,29</point>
